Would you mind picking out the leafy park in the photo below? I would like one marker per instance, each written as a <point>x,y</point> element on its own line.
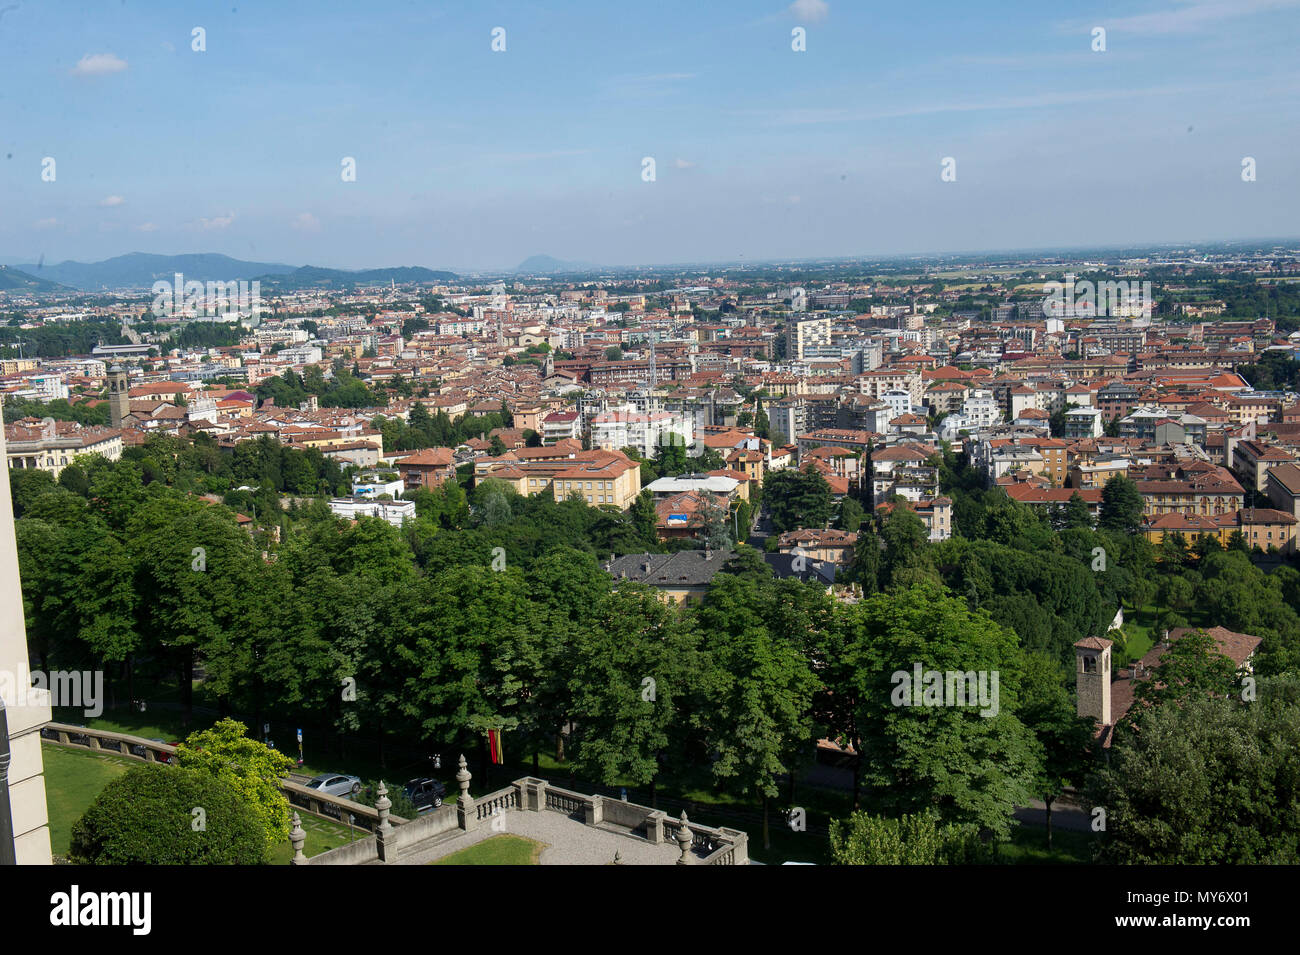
<point>389,645</point>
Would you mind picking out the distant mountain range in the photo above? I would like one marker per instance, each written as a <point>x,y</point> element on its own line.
<point>311,276</point>
<point>546,265</point>
<point>139,270</point>
<point>12,279</point>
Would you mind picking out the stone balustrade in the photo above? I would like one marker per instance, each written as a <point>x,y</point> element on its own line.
<point>391,834</point>
<point>323,805</point>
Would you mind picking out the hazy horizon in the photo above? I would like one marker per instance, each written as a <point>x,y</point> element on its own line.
<point>473,160</point>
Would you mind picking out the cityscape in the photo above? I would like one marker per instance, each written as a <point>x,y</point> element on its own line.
<point>478,480</point>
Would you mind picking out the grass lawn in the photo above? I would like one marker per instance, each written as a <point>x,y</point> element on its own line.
<point>1028,846</point>
<point>322,835</point>
<point>73,778</point>
<point>498,850</point>
<point>72,781</point>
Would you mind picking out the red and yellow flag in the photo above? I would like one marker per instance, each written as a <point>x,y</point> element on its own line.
<point>494,745</point>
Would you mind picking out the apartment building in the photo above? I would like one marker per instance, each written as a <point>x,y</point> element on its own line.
<point>600,477</point>
<point>559,425</point>
<point>1207,490</point>
<point>429,468</point>
<point>394,512</point>
<point>935,514</point>
<point>802,336</point>
<point>1252,461</point>
<point>51,445</point>
<point>646,432</point>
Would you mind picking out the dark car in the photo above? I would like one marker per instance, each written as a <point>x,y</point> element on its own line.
<point>425,793</point>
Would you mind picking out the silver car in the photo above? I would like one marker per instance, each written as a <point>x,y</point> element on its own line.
<point>336,784</point>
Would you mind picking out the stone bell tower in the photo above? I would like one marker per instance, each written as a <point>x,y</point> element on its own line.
<point>1092,678</point>
<point>119,402</point>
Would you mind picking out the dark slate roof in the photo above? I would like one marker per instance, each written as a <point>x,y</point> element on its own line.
<point>821,571</point>
<point>687,568</point>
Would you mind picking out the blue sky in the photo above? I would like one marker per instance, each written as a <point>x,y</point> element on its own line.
<point>469,158</point>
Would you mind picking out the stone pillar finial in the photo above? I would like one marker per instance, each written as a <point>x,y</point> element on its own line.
<point>382,805</point>
<point>297,838</point>
<point>466,814</point>
<point>462,780</point>
<point>684,838</point>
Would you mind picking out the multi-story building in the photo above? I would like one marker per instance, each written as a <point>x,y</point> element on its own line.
<point>600,477</point>
<point>429,468</point>
<point>1206,490</point>
<point>1082,423</point>
<point>1282,485</point>
<point>394,512</point>
<point>803,335</point>
<point>559,425</point>
<point>856,441</point>
<point>935,513</point>
<point>1252,461</point>
<point>615,430</point>
<point>52,445</point>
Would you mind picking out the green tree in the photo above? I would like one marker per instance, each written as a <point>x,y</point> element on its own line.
<point>645,521</point>
<point>760,688</point>
<point>250,768</point>
<point>920,839</point>
<point>1066,739</point>
<point>1210,781</point>
<point>850,516</point>
<point>797,499</point>
<point>971,763</point>
<point>634,685</point>
<point>147,817</point>
<point>1192,667</point>
<point>1121,506</point>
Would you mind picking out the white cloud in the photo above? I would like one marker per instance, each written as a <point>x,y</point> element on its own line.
<point>811,10</point>
<point>218,222</point>
<point>49,223</point>
<point>1189,16</point>
<point>98,64</point>
<point>683,164</point>
<point>110,201</point>
<point>146,227</point>
<point>306,222</point>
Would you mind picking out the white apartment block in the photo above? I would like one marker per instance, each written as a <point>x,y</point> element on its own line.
<point>395,512</point>
<point>461,328</point>
<point>900,403</point>
<point>266,337</point>
<point>202,409</point>
<point>805,335</point>
<point>301,355</point>
<point>877,382</point>
<point>981,409</point>
<point>615,430</point>
<point>49,387</point>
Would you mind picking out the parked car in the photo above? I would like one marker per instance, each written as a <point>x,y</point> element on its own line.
<point>336,784</point>
<point>142,751</point>
<point>425,793</point>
